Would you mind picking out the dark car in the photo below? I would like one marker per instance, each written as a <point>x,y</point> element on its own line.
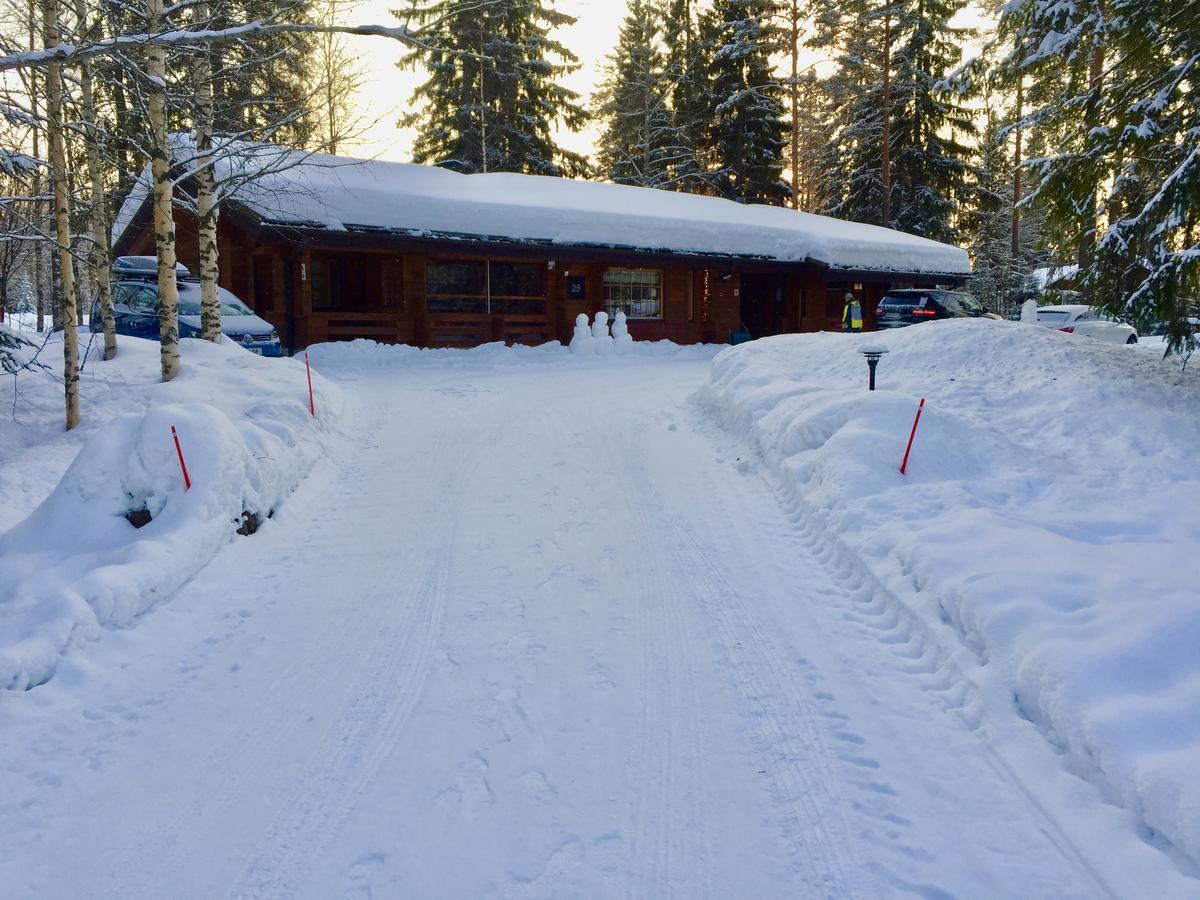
<point>908,307</point>
<point>135,307</point>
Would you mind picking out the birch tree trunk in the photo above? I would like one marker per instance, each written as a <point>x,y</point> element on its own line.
<point>207,210</point>
<point>164,198</point>
<point>62,214</point>
<point>99,219</point>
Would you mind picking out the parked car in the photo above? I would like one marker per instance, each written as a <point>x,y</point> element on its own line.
<point>908,307</point>
<point>1077,318</point>
<point>135,307</point>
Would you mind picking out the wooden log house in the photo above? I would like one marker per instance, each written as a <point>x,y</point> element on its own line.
<point>332,248</point>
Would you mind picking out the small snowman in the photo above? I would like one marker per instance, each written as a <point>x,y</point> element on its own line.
<point>604,341</point>
<point>582,341</point>
<point>1029,311</point>
<point>622,340</point>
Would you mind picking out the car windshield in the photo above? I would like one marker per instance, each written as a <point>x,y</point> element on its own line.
<point>189,301</point>
<point>1053,316</point>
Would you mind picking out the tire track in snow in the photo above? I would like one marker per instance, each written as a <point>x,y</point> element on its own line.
<point>786,730</point>
<point>385,692</point>
<point>670,842</point>
<point>914,648</point>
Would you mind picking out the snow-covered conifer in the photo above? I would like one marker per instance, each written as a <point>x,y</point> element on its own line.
<point>492,96</point>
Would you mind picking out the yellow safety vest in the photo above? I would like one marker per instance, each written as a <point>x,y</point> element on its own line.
<point>852,316</point>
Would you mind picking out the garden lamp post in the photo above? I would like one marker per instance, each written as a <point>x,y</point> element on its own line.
<point>873,355</point>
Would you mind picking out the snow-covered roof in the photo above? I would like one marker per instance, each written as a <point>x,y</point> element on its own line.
<point>341,193</point>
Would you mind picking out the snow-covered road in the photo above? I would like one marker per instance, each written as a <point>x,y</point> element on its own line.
<point>537,631</point>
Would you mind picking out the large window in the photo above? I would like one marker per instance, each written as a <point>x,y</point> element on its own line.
<point>458,287</point>
<point>468,286</point>
<point>635,292</point>
<point>516,288</point>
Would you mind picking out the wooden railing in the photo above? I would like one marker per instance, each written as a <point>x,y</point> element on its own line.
<point>385,327</point>
<point>472,329</point>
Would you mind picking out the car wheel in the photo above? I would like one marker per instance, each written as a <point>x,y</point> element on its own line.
<point>1132,339</point>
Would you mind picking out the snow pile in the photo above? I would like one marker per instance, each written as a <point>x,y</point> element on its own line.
<point>341,193</point>
<point>364,354</point>
<point>1047,532</point>
<point>76,564</point>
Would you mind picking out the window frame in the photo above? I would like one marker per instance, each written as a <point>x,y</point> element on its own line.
<point>624,306</point>
<point>488,295</point>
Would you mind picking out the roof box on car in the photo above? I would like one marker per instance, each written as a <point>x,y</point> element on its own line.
<point>144,267</point>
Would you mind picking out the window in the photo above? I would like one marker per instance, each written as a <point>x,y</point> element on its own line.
<point>456,287</point>
<point>319,285</point>
<point>635,292</point>
<point>469,286</point>
<point>516,288</point>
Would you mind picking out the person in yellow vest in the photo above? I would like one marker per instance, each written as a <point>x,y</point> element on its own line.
<point>852,314</point>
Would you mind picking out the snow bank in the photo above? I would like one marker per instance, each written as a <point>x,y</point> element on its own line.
<point>75,565</point>
<point>366,354</point>
<point>1048,530</point>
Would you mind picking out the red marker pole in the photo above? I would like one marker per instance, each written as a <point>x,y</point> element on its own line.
<point>187,481</point>
<point>912,434</point>
<point>311,406</point>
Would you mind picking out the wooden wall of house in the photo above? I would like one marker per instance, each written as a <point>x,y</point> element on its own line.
<point>389,302</point>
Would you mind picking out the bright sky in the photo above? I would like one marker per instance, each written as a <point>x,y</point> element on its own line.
<point>385,94</point>
<point>384,97</point>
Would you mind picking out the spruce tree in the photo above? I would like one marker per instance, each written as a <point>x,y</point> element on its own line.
<point>747,126</point>
<point>898,152</point>
<point>637,145</point>
<point>492,97</point>
<point>1120,178</point>
<point>931,169</point>
<point>687,63</point>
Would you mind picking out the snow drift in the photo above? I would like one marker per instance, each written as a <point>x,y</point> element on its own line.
<point>1047,532</point>
<point>76,565</point>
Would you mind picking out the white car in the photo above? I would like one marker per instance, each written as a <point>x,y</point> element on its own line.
<point>1087,320</point>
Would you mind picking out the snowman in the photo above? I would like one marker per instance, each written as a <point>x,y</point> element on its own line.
<point>604,341</point>
<point>622,340</point>
<point>582,341</point>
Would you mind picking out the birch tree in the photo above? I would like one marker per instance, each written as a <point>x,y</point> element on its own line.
<point>164,197</point>
<point>62,213</point>
<point>98,255</point>
<point>207,209</point>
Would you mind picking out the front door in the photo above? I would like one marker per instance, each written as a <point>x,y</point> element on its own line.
<point>762,306</point>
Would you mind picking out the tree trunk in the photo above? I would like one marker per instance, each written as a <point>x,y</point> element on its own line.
<point>1091,120</point>
<point>886,163</point>
<point>62,214</point>
<point>164,198</point>
<point>207,210</point>
<point>1016,212</point>
<point>99,218</point>
<point>794,91</point>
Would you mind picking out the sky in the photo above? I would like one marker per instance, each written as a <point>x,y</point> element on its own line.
<point>385,94</point>
<point>386,90</point>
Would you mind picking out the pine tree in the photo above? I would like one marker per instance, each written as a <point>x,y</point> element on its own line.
<point>898,153</point>
<point>747,125</point>
<point>637,145</point>
<point>998,275</point>
<point>492,97</point>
